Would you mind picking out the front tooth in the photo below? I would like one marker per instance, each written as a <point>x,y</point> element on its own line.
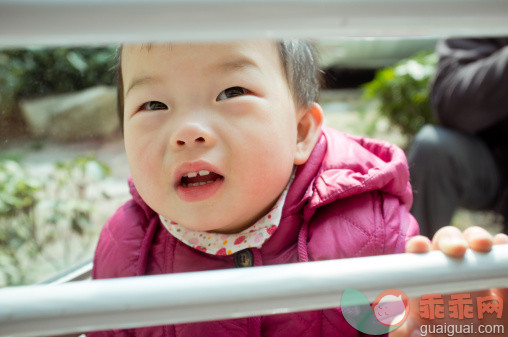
<point>194,184</point>
<point>191,174</point>
<point>204,173</point>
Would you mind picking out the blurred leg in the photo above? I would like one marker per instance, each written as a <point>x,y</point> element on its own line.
<point>449,169</point>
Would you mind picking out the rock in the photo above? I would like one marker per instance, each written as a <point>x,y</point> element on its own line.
<point>86,114</point>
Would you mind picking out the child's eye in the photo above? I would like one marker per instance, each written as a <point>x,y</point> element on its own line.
<point>153,105</point>
<point>232,92</point>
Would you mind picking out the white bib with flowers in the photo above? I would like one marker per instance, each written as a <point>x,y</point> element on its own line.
<point>227,244</point>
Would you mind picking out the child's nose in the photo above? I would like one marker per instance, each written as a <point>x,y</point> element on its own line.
<point>191,135</point>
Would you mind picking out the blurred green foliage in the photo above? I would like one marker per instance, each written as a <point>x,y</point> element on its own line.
<point>402,92</point>
<point>38,71</point>
<point>40,216</point>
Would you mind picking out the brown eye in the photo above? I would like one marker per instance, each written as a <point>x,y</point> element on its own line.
<point>232,92</point>
<point>153,105</point>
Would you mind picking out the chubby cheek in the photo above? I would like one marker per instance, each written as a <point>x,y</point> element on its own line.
<point>145,162</point>
<point>264,163</point>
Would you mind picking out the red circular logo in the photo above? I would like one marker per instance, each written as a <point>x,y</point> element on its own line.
<point>391,307</point>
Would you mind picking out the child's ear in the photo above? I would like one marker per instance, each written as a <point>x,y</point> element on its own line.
<point>308,128</point>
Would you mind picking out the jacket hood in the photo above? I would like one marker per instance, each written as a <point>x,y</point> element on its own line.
<point>343,165</point>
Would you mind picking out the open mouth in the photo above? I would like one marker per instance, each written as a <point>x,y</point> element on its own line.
<point>200,178</point>
<point>197,181</point>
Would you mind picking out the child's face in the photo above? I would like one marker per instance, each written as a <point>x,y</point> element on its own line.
<point>223,108</point>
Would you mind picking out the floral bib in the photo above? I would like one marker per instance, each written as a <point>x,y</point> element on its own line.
<point>227,244</point>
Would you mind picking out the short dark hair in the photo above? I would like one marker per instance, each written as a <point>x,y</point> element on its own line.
<point>300,63</point>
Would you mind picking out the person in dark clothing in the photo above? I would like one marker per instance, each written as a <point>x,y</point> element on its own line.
<point>464,162</point>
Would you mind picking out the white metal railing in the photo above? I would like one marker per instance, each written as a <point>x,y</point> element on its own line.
<point>57,22</point>
<point>189,297</point>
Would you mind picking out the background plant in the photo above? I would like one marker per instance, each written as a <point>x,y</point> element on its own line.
<point>402,92</point>
<point>42,217</point>
<point>38,71</point>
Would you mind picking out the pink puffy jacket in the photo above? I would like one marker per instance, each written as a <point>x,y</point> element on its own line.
<point>350,199</point>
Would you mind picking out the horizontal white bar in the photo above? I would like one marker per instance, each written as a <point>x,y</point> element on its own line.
<point>74,22</point>
<point>178,298</point>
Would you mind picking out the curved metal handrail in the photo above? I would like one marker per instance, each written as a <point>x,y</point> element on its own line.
<point>79,272</point>
<point>189,297</point>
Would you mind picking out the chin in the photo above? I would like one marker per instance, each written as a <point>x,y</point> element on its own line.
<point>200,227</point>
<point>209,221</point>
<point>218,228</point>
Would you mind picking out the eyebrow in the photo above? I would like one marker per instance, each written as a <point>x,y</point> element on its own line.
<point>140,81</point>
<point>239,64</point>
